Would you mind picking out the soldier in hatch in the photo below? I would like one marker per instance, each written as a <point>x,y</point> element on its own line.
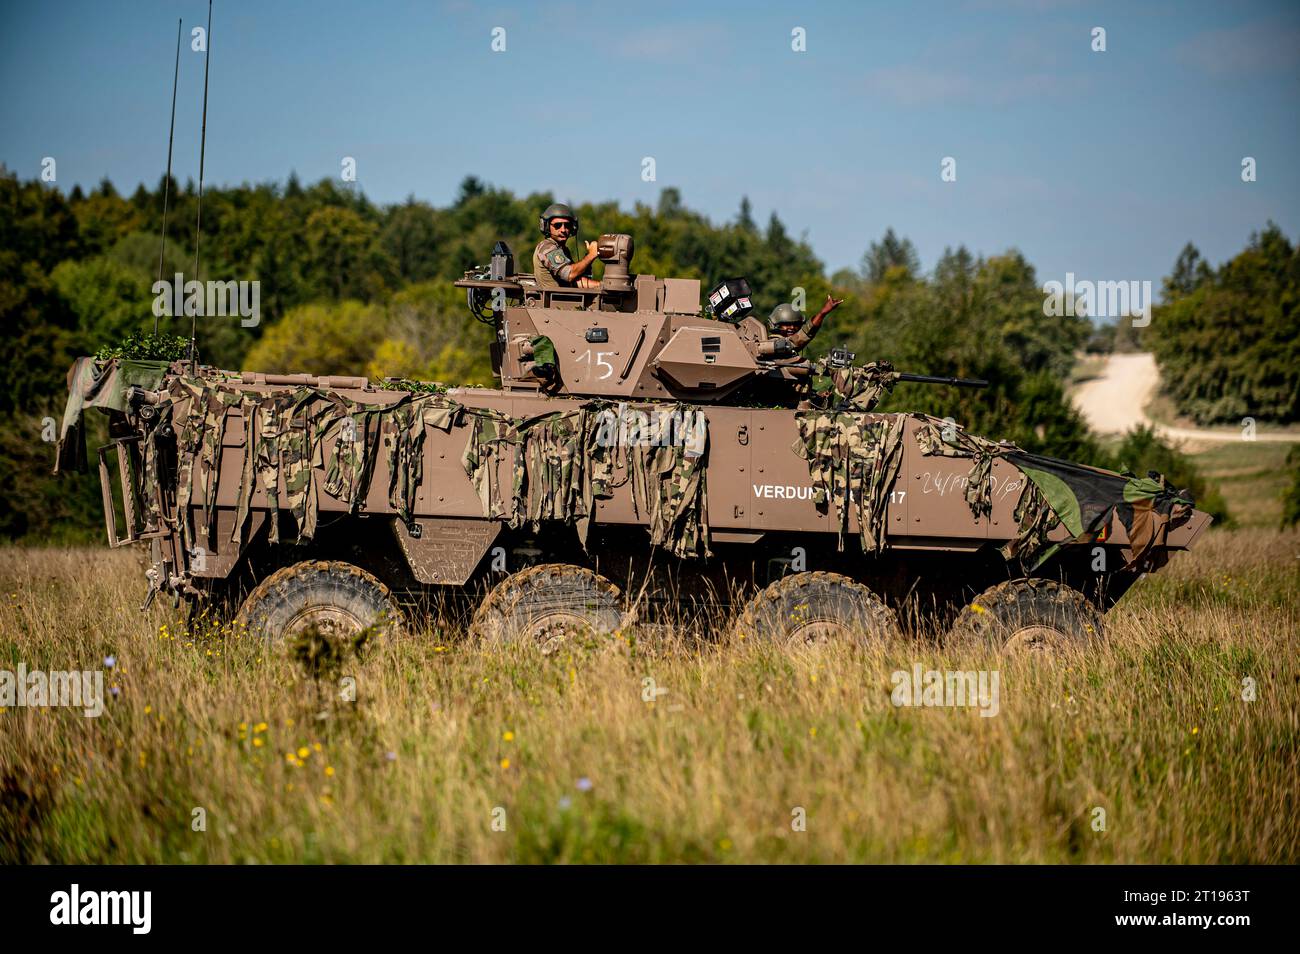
<point>553,266</point>
<point>790,332</point>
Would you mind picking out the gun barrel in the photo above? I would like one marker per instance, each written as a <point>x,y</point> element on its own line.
<point>931,379</point>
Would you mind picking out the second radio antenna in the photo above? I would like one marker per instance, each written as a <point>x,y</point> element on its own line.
<point>203,145</point>
<point>167,183</point>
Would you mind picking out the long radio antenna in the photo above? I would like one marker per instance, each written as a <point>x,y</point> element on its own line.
<point>203,145</point>
<point>167,183</point>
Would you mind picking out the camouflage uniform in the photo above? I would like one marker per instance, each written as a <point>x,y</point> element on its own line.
<point>801,338</point>
<point>782,346</point>
<point>553,265</point>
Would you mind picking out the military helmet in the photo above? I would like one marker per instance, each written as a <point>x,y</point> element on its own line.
<point>556,210</point>
<point>784,314</point>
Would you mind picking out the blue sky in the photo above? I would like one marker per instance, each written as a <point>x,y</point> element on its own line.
<point>1102,164</point>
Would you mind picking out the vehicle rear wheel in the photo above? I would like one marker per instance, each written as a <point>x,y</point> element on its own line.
<point>816,607</point>
<point>336,599</point>
<point>1029,616</point>
<point>547,605</point>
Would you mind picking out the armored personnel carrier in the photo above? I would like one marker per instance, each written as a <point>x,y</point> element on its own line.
<point>643,458</point>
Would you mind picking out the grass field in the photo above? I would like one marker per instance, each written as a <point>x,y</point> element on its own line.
<point>1252,477</point>
<point>455,753</point>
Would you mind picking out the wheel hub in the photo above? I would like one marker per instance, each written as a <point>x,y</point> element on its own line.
<point>818,632</point>
<point>331,622</point>
<point>1036,638</point>
<point>551,631</point>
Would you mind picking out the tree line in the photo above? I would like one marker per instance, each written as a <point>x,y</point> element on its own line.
<point>348,286</point>
<point>1227,339</point>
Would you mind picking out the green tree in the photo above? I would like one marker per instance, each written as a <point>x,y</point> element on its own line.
<point>346,259</point>
<point>324,338</point>
<point>889,253</point>
<point>1230,347</point>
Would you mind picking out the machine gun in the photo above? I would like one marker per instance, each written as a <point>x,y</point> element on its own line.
<point>931,379</point>
<point>843,358</point>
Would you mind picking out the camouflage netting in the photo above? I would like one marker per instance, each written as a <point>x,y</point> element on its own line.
<point>558,463</point>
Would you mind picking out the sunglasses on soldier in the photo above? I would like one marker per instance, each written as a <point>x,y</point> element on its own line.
<point>561,223</point>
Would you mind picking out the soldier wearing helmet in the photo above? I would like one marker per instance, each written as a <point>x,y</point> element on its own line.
<point>790,332</point>
<point>553,266</point>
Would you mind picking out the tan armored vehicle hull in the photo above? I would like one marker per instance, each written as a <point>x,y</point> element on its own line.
<point>625,472</point>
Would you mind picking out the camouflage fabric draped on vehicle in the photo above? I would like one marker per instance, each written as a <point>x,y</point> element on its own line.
<point>853,461</point>
<point>1035,520</point>
<point>404,443</point>
<point>493,437</point>
<point>1084,499</point>
<point>285,437</point>
<point>555,463</point>
<point>92,383</point>
<point>560,463</point>
<point>947,439</point>
<point>554,468</point>
<point>855,388</point>
<point>1087,500</point>
<point>667,468</point>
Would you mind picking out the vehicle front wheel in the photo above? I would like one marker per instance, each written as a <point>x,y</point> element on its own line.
<point>1029,616</point>
<point>336,599</point>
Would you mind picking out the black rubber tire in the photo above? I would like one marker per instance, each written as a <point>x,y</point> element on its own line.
<point>1030,615</point>
<point>336,597</point>
<point>546,604</point>
<point>812,607</point>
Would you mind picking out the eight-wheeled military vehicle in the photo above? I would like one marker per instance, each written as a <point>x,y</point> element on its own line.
<point>642,459</point>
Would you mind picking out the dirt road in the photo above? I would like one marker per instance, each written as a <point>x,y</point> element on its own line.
<point>1115,401</point>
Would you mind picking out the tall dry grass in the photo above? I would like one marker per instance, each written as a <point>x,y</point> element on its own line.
<point>448,743</point>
